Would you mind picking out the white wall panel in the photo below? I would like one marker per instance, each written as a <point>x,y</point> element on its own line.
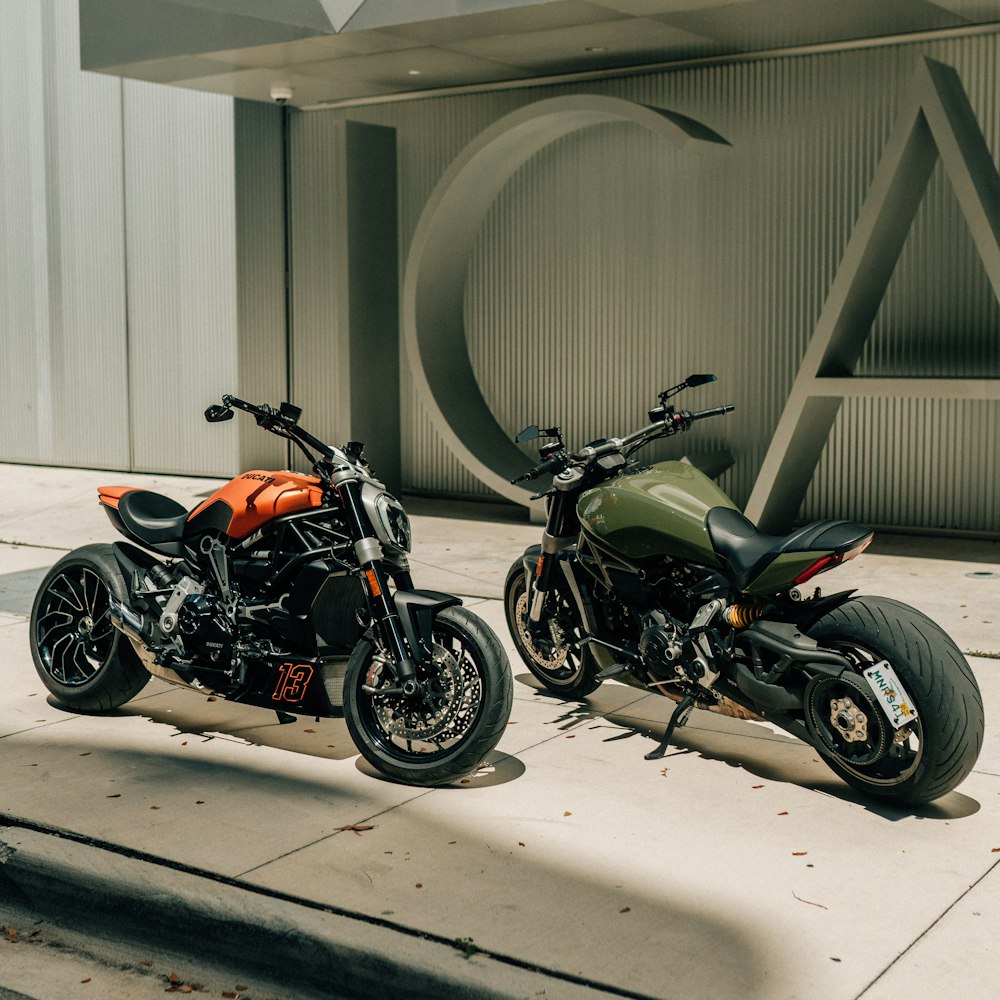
<point>62,282</point>
<point>182,299</point>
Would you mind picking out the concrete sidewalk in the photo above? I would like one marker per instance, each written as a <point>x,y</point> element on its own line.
<point>737,867</point>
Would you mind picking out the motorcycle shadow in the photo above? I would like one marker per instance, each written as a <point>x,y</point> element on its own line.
<point>206,718</point>
<point>761,750</point>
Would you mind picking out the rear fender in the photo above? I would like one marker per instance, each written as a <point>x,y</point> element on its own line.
<point>805,614</point>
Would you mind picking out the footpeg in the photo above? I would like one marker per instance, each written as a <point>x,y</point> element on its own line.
<point>615,670</point>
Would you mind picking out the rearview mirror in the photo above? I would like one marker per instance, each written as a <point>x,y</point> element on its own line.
<point>528,434</point>
<point>693,380</point>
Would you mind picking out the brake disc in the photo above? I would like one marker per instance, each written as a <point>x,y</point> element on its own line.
<point>427,719</point>
<point>547,661</point>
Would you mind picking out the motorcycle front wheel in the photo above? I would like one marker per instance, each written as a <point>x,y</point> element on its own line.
<point>562,669</point>
<point>444,733</point>
<point>928,755</point>
<point>86,663</point>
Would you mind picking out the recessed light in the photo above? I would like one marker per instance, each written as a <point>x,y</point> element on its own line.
<point>596,48</point>
<point>414,72</point>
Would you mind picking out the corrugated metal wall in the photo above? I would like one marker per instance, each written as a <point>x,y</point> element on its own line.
<point>62,275</point>
<point>612,266</point>
<point>609,266</point>
<point>180,236</point>
<point>109,358</point>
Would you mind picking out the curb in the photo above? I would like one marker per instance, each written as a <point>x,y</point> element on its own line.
<point>58,873</point>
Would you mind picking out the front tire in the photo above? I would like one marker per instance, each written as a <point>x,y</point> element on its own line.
<point>447,736</point>
<point>563,670</point>
<point>86,663</point>
<point>923,759</point>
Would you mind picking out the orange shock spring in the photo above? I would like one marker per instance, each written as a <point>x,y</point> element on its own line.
<point>742,615</point>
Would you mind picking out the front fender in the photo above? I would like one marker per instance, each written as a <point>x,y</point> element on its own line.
<point>417,610</point>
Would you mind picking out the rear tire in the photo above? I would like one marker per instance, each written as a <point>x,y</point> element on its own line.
<point>945,738</point>
<point>447,738</point>
<point>569,672</point>
<point>84,661</point>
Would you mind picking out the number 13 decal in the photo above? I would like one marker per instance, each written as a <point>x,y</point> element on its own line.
<point>293,679</point>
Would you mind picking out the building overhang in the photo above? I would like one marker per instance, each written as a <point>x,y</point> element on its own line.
<point>329,52</point>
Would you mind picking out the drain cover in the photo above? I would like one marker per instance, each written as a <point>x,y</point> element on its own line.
<point>983,574</point>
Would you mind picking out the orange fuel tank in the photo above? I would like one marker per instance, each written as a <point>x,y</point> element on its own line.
<point>254,498</point>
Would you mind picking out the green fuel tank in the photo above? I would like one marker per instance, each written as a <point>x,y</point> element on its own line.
<point>659,511</point>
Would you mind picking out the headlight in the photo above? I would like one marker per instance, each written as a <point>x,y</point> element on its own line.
<point>390,522</point>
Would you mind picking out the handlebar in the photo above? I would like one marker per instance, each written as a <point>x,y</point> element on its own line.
<point>672,423</point>
<point>282,421</point>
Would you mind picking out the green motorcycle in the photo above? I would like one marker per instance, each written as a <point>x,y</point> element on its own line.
<point>651,575</point>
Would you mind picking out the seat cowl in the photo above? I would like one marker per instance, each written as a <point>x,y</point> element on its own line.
<point>746,551</point>
<point>111,496</point>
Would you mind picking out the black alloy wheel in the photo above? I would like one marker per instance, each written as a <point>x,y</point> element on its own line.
<point>83,660</point>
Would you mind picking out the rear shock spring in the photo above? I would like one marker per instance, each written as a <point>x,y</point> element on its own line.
<point>743,615</point>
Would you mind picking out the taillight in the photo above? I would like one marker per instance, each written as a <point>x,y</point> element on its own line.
<point>834,559</point>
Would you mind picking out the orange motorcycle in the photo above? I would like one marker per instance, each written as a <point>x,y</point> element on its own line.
<point>280,590</point>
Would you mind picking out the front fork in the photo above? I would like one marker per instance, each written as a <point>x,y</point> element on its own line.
<point>404,618</point>
<point>561,528</point>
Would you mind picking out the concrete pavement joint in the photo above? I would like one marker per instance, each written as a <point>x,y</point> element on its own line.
<point>989,871</point>
<point>32,545</point>
<point>7,820</point>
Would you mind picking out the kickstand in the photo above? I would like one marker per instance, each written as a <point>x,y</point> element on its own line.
<point>284,718</point>
<point>677,719</point>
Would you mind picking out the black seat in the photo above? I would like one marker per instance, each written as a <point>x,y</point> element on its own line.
<point>153,519</point>
<point>744,550</point>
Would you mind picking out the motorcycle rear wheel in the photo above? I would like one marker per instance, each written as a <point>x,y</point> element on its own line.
<point>925,759</point>
<point>84,661</point>
<point>562,670</point>
<point>447,736</point>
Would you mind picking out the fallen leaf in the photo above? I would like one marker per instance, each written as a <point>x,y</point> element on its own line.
<point>186,988</point>
<point>757,786</point>
<point>450,842</point>
<point>996,850</point>
<point>785,813</point>
<point>799,854</point>
<point>572,736</point>
<point>200,802</point>
<point>627,909</point>
<point>241,988</point>
<point>154,807</point>
<point>212,697</point>
<point>117,795</point>
<point>420,885</point>
<point>567,814</point>
<point>87,754</point>
<point>520,843</point>
<point>173,978</point>
<point>357,828</point>
<point>87,980</point>
<point>230,995</point>
<point>308,730</point>
<point>185,743</point>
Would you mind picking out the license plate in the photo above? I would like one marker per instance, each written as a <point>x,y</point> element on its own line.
<point>890,694</point>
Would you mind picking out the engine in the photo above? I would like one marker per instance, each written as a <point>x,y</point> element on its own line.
<point>660,643</point>
<point>190,622</point>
